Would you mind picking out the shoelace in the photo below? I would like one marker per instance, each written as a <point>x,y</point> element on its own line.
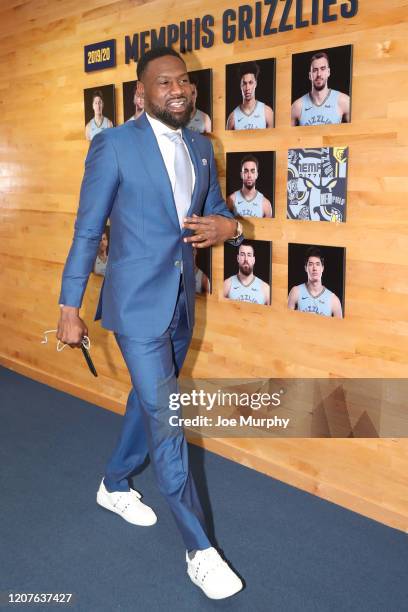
<point>61,345</point>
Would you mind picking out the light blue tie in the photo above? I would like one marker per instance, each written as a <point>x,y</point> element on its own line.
<point>183,188</point>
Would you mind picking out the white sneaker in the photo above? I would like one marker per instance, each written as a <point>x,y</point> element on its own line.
<point>209,572</point>
<point>127,504</point>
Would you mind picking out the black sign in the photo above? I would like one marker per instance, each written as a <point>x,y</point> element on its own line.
<point>100,55</point>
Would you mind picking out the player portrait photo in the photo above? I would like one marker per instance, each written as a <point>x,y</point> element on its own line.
<point>250,95</point>
<point>99,107</point>
<point>101,259</point>
<point>247,272</point>
<point>202,270</point>
<point>317,184</point>
<point>133,100</point>
<point>251,184</point>
<point>201,86</point>
<point>321,86</point>
<point>316,279</point>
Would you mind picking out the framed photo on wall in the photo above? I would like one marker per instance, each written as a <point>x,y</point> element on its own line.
<point>99,109</point>
<point>316,279</point>
<point>133,101</point>
<point>202,270</point>
<point>201,117</point>
<point>250,95</point>
<point>101,259</point>
<point>321,86</point>
<point>247,272</point>
<point>251,183</point>
<point>317,184</point>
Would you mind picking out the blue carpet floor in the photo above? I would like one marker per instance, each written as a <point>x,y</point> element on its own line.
<point>295,551</point>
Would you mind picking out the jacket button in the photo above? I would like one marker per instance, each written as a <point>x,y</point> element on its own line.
<point>177,263</point>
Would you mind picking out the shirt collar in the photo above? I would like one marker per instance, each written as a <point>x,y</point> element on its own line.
<point>158,127</point>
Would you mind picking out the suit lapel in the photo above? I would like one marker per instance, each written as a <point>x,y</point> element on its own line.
<point>155,166</point>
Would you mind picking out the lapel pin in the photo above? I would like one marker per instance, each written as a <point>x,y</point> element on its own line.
<point>204,161</point>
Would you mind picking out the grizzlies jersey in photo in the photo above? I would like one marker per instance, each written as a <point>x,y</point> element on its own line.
<point>321,304</point>
<point>196,122</point>
<point>251,293</point>
<point>326,113</point>
<point>95,129</point>
<point>254,121</point>
<point>248,208</point>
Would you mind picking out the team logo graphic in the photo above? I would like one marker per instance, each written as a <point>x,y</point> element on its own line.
<point>317,184</point>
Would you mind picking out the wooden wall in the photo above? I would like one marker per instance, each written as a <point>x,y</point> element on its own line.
<point>42,150</point>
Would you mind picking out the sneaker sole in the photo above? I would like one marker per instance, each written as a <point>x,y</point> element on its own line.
<point>197,583</point>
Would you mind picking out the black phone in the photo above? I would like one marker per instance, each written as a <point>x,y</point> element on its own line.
<point>88,360</point>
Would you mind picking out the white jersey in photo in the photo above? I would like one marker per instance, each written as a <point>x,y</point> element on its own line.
<point>320,304</point>
<point>95,129</point>
<point>248,208</point>
<point>326,113</point>
<point>254,121</point>
<point>196,122</point>
<point>247,293</point>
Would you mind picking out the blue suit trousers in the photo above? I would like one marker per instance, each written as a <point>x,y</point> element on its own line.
<point>154,364</point>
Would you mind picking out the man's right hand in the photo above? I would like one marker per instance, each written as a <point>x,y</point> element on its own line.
<point>71,328</point>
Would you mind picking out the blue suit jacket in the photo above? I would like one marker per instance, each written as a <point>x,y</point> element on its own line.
<point>126,180</point>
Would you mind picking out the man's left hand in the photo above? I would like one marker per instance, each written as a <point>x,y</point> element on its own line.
<point>209,230</point>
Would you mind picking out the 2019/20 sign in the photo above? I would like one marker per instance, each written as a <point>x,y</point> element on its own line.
<point>100,55</point>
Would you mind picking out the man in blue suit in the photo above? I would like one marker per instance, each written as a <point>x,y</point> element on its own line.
<point>157,183</point>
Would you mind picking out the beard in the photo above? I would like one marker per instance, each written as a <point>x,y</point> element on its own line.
<point>321,86</point>
<point>247,271</point>
<point>172,120</point>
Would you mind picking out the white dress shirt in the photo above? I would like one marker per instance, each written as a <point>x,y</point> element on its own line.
<point>168,148</point>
